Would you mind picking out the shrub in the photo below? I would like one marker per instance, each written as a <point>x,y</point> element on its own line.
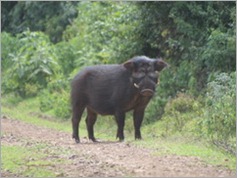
<point>9,46</point>
<point>219,123</point>
<point>33,64</point>
<point>62,105</point>
<point>66,54</point>
<point>179,111</point>
<point>46,101</point>
<point>57,103</point>
<point>56,98</point>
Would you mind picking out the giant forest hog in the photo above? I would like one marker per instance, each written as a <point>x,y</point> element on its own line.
<point>114,90</point>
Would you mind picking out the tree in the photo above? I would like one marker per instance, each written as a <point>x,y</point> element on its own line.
<point>49,17</point>
<point>193,32</point>
<point>104,32</point>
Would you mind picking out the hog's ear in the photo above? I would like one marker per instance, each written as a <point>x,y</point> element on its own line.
<point>160,65</point>
<point>129,65</point>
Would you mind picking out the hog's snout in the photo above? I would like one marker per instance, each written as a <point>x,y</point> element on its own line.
<point>147,92</point>
<point>147,88</point>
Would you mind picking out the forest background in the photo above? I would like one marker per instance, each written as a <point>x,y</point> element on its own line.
<point>44,45</point>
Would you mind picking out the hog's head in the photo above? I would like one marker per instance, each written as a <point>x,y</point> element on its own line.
<point>145,73</point>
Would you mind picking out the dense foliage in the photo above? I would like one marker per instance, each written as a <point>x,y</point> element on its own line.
<point>44,44</point>
<point>48,17</point>
<point>212,116</point>
<point>31,66</point>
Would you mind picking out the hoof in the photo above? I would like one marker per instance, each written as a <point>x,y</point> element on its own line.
<point>94,140</point>
<point>120,137</point>
<point>121,140</point>
<point>77,141</point>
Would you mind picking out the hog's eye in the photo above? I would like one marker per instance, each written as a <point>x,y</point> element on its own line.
<point>139,74</point>
<point>153,74</point>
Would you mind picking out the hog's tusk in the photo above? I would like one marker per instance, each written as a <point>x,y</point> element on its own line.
<point>158,82</point>
<point>136,85</point>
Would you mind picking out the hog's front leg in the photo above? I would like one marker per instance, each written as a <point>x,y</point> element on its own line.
<point>138,115</point>
<point>120,119</point>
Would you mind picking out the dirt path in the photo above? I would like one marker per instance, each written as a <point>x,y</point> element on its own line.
<point>106,158</point>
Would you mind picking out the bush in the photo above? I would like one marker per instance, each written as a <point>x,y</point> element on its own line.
<point>179,111</point>
<point>211,117</point>
<point>32,64</point>
<point>61,105</point>
<point>9,46</point>
<point>56,98</point>
<point>66,55</point>
<point>56,103</point>
<point>219,123</point>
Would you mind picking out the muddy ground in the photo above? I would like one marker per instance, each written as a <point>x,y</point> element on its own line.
<point>104,159</point>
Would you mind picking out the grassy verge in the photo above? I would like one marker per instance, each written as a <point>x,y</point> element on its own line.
<point>23,161</point>
<point>203,151</point>
<point>184,144</point>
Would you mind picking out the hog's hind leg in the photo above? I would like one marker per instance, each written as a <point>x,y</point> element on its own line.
<point>90,121</point>
<point>76,118</point>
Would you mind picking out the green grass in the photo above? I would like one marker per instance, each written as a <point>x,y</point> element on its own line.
<point>184,144</point>
<point>30,162</point>
<point>206,153</point>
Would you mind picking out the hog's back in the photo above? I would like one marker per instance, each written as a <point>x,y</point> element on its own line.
<point>102,88</point>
